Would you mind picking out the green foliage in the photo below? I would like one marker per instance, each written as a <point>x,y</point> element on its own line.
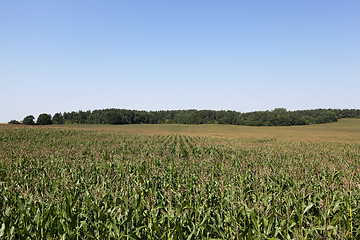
<point>29,120</point>
<point>86,184</point>
<point>14,122</point>
<point>44,119</point>
<point>277,117</point>
<point>58,118</point>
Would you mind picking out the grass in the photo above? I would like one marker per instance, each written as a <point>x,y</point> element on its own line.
<point>180,182</point>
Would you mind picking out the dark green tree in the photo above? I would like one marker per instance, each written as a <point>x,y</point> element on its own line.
<point>14,122</point>
<point>29,120</point>
<point>58,118</point>
<point>276,117</point>
<point>44,119</point>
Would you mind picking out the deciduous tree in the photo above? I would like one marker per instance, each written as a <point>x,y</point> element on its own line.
<point>29,120</point>
<point>44,119</point>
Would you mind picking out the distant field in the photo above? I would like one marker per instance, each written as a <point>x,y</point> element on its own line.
<point>344,130</point>
<point>180,181</point>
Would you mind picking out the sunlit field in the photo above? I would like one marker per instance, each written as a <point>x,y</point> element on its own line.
<point>180,181</point>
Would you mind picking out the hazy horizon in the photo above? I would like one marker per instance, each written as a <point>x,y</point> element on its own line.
<point>234,55</point>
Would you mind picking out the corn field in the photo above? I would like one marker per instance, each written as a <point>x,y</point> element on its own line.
<point>67,183</point>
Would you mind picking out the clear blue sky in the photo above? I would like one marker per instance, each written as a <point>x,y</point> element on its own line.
<point>58,56</point>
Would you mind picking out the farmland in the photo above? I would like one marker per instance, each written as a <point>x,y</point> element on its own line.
<point>180,181</point>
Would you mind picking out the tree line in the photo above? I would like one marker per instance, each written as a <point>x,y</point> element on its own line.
<point>276,117</point>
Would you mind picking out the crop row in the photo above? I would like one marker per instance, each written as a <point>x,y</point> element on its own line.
<point>86,184</point>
